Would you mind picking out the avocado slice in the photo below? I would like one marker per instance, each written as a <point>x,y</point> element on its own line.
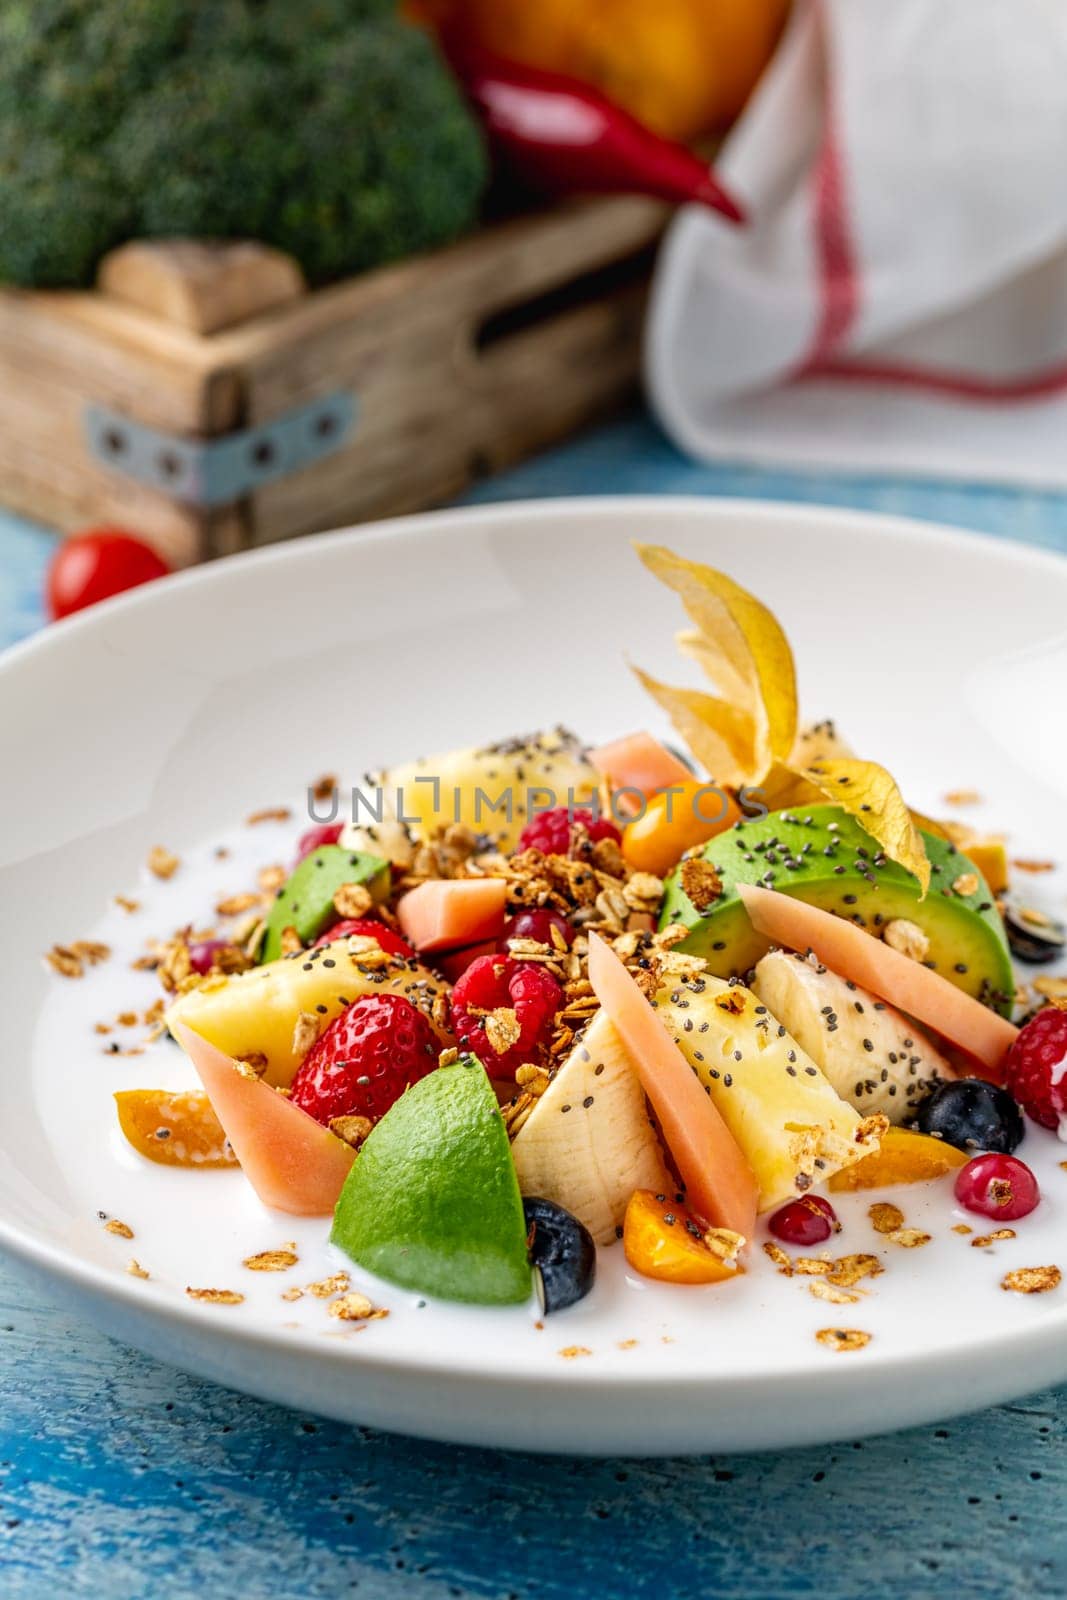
<point>305,900</point>
<point>432,1202</point>
<point>823,856</point>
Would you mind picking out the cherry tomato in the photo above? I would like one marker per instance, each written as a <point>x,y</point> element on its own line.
<point>98,563</point>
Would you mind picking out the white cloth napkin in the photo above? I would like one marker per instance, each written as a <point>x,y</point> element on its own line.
<point>899,301</point>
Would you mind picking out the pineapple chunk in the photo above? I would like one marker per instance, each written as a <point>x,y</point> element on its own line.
<point>794,1129</point>
<point>255,1013</point>
<point>588,1142</point>
<point>464,785</point>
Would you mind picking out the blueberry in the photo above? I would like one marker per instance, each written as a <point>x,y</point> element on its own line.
<point>972,1115</point>
<point>562,1254</point>
<point>1033,935</point>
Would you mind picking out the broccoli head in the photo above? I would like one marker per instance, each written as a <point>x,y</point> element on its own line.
<point>331,130</point>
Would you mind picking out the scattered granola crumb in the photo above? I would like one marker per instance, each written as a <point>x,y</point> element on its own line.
<point>233,905</point>
<point>355,1308</point>
<point>826,1291</point>
<point>325,787</point>
<point>628,1344</point>
<point>963,797</point>
<point>291,941</point>
<point>337,1284</point>
<point>305,1033</point>
<point>1032,1280</point>
<point>101,1027</point>
<point>849,1270</point>
<point>885,1217</point>
<point>962,1227</point>
<point>571,1351</point>
<point>126,904</point>
<point>121,1230</point>
<point>908,938</point>
<point>269,814</point>
<point>272,1260</point>
<point>1024,865</point>
<point>216,1297</point>
<point>965,884</point>
<point>353,1130</point>
<point>270,879</point>
<point>502,1029</point>
<point>448,1058</point>
<point>843,1338</point>
<point>701,882</point>
<point>352,900</point>
<point>162,863</point>
<point>293,1294</point>
<point>909,1238</point>
<point>135,1269</point>
<point>1054,990</point>
<point>982,1240</point>
<point>779,1257</point>
<point>812,1266</point>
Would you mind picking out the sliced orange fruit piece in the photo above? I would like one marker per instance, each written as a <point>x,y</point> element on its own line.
<point>674,821</point>
<point>902,1157</point>
<point>663,1240</point>
<point>177,1130</point>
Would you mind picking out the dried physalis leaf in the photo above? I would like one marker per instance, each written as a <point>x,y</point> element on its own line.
<point>712,729</point>
<point>741,642</point>
<point>870,794</point>
<point>174,1129</point>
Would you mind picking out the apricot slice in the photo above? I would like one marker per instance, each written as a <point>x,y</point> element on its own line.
<point>675,821</point>
<point>174,1129</point>
<point>902,1157</point>
<point>663,1240</point>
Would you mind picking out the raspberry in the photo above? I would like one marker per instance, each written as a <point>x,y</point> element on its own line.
<point>493,983</point>
<point>550,831</point>
<point>368,928</point>
<point>1036,1066</point>
<point>365,1059</point>
<point>315,838</point>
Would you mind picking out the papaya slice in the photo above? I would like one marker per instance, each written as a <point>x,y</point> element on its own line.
<point>854,954</point>
<point>292,1162</point>
<point>719,1183</point>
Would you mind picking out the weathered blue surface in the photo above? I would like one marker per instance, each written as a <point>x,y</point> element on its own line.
<point>120,1478</point>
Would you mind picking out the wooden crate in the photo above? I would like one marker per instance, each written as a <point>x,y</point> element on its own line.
<point>201,396</point>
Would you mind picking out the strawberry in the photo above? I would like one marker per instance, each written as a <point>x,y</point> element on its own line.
<point>497,984</point>
<point>1036,1068</point>
<point>365,1059</point>
<point>368,928</point>
<point>550,831</point>
<point>315,838</point>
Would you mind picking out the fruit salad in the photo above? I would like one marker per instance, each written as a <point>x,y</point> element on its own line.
<point>516,1005</point>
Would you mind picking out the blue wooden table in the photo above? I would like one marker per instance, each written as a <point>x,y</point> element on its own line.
<point>121,1478</point>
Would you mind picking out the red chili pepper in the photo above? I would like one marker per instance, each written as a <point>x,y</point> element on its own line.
<point>562,137</point>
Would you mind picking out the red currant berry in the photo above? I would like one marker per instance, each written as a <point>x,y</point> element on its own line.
<point>997,1186</point>
<point>537,925</point>
<point>807,1221</point>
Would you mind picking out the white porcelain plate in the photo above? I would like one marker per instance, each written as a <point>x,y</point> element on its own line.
<point>169,716</point>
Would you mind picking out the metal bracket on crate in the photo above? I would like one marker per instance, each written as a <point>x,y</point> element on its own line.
<point>216,472</point>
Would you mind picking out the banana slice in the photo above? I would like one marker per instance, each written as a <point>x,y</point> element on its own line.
<point>588,1143</point>
<point>875,1056</point>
